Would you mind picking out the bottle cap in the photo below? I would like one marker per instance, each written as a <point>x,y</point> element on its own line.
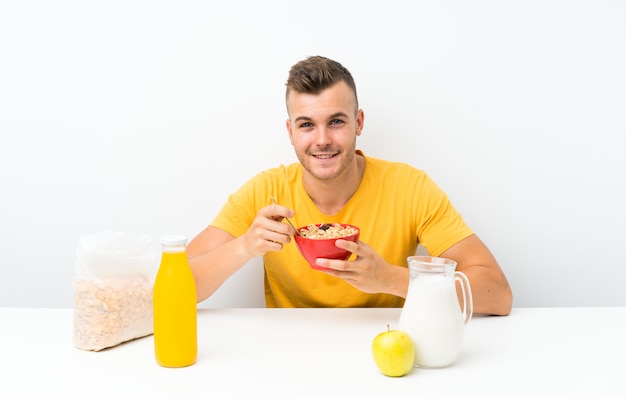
<point>174,240</point>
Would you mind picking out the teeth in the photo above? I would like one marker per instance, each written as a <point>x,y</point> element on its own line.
<point>324,156</point>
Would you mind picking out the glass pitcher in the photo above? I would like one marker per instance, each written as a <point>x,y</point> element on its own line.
<point>431,314</point>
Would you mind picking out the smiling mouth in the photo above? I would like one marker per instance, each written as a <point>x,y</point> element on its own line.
<point>324,156</point>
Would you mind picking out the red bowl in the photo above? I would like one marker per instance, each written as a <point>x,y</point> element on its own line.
<point>313,248</point>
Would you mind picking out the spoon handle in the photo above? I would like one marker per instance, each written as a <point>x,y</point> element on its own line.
<point>288,221</point>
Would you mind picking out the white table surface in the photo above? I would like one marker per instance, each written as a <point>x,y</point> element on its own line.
<point>321,353</point>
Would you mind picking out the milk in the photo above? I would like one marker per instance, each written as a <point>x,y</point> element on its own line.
<point>433,319</point>
<point>431,315</point>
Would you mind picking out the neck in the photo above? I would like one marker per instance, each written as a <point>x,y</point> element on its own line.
<point>330,196</point>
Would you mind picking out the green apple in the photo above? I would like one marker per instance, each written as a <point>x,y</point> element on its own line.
<point>393,352</point>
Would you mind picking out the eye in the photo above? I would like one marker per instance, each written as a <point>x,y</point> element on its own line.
<point>336,122</point>
<point>306,125</point>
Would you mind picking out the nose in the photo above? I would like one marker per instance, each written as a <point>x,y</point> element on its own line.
<point>323,137</point>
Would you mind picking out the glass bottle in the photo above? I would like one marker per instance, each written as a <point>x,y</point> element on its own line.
<point>175,306</point>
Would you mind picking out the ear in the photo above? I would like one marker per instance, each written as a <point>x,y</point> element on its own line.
<point>289,131</point>
<point>360,119</point>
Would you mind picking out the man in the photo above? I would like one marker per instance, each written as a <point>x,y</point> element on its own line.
<point>395,206</point>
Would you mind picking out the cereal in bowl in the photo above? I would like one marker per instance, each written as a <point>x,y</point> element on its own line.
<point>325,231</point>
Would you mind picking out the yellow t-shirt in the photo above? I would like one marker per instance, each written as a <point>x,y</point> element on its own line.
<point>396,206</point>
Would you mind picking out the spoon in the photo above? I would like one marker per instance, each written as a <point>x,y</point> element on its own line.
<point>289,221</point>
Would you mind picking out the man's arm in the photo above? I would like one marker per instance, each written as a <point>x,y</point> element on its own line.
<point>370,273</point>
<point>490,289</point>
<point>215,255</point>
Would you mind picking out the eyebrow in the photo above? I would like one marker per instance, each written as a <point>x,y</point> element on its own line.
<point>333,116</point>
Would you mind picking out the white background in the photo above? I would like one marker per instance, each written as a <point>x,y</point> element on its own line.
<point>143,116</point>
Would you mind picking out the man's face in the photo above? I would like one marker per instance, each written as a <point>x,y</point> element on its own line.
<point>323,129</point>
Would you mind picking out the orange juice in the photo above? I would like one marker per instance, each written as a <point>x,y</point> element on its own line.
<point>175,309</point>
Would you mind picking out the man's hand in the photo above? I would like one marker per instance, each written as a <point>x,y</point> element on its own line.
<point>369,272</point>
<point>268,232</point>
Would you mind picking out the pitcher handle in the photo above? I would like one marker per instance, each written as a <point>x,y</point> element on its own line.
<point>468,304</point>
